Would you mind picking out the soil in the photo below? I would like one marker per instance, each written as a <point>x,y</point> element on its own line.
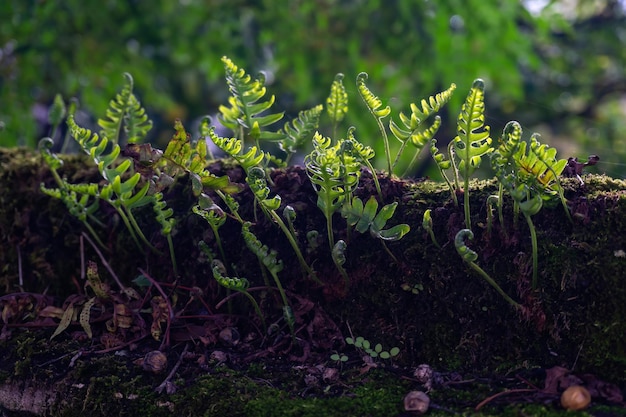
<point>72,345</point>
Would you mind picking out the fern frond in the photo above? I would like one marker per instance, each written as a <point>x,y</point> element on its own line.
<point>413,129</point>
<point>374,105</point>
<point>233,147</point>
<point>337,102</point>
<point>247,111</point>
<point>372,101</point>
<point>96,147</point>
<point>331,174</point>
<point>368,218</point>
<point>299,131</point>
<point>237,284</point>
<point>126,111</point>
<point>268,257</point>
<point>541,164</point>
<point>472,140</point>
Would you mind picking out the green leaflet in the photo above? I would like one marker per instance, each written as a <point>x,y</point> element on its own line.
<point>246,110</point>
<point>367,217</point>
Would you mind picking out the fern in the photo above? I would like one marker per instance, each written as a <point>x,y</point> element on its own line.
<point>472,140</point>
<point>529,175</point>
<point>337,102</point>
<point>246,114</point>
<point>334,175</point>
<point>374,105</point>
<point>503,160</point>
<point>236,284</point>
<point>412,130</point>
<point>540,165</point>
<point>234,148</point>
<point>125,112</point>
<point>299,131</point>
<point>250,161</point>
<point>367,218</point>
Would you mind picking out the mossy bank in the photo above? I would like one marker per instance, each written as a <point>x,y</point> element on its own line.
<point>427,302</point>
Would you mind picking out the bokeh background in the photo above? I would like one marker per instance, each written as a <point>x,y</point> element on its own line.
<point>558,67</point>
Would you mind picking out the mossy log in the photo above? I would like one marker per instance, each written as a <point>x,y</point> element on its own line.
<point>428,302</point>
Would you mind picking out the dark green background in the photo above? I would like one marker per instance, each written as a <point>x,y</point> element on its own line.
<point>561,72</point>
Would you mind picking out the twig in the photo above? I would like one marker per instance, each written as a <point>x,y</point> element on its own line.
<point>166,339</point>
<point>500,394</point>
<point>167,382</point>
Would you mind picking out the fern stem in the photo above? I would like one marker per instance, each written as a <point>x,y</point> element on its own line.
<point>374,177</point>
<point>466,203</point>
<point>535,248</point>
<point>381,127</point>
<point>141,235</point>
<point>295,247</point>
<point>494,284</point>
<point>170,245</point>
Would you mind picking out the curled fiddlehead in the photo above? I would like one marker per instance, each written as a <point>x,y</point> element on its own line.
<point>470,257</point>
<point>236,284</point>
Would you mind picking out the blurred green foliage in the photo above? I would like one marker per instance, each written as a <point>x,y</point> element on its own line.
<point>410,48</point>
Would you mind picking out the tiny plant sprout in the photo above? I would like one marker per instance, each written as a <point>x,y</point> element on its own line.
<point>575,398</point>
<point>340,358</point>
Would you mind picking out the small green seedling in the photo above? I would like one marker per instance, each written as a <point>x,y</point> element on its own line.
<point>375,351</point>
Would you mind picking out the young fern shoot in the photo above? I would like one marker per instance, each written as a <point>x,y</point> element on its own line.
<point>472,141</point>
<point>337,102</point>
<point>374,105</point>
<point>470,257</point>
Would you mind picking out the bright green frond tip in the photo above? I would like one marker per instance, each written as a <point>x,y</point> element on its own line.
<point>126,114</point>
<point>372,101</point>
<point>337,101</point>
<point>247,111</point>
